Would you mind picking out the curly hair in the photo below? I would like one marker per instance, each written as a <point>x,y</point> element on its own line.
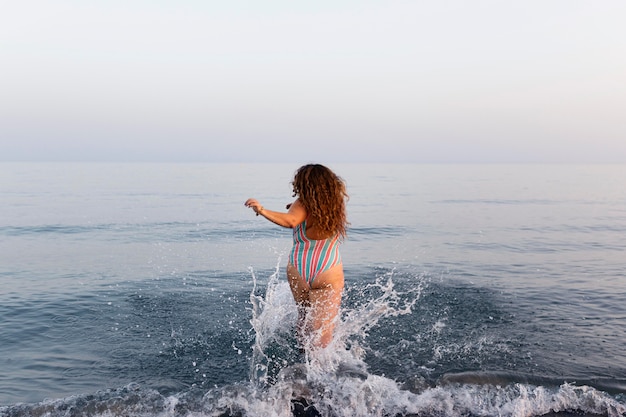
<point>323,195</point>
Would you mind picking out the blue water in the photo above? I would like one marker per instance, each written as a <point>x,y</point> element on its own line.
<point>150,290</point>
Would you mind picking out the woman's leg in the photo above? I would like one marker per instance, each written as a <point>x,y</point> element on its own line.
<point>318,306</point>
<point>300,290</point>
<point>325,299</point>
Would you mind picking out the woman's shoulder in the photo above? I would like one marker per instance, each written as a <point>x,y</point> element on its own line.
<point>297,212</point>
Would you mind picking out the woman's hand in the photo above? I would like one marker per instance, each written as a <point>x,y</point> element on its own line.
<point>254,205</point>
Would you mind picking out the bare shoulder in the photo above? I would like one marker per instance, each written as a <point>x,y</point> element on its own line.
<point>297,212</point>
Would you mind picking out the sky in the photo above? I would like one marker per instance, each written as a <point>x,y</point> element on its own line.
<point>445,81</point>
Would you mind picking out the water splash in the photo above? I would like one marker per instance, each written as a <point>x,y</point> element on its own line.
<point>319,375</point>
<point>272,316</point>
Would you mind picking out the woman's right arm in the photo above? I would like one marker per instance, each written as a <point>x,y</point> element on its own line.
<point>293,217</point>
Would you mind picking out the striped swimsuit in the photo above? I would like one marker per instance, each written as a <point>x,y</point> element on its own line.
<point>312,257</point>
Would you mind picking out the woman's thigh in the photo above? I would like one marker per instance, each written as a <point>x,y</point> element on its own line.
<point>325,295</point>
<point>299,287</point>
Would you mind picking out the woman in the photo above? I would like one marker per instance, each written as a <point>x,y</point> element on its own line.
<point>315,270</point>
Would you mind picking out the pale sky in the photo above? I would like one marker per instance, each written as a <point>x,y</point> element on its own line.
<point>324,80</point>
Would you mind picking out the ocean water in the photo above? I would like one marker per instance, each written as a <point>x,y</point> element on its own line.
<point>471,290</point>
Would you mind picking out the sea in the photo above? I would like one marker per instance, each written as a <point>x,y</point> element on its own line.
<point>149,289</point>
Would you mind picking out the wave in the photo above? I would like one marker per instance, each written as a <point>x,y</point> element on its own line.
<point>347,392</point>
<point>161,231</point>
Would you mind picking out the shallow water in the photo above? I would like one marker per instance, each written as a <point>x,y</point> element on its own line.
<point>471,290</point>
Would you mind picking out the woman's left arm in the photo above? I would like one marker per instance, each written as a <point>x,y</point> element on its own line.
<point>296,214</point>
